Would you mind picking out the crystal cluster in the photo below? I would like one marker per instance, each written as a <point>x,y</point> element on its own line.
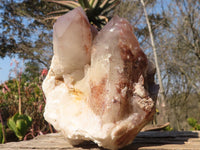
<point>100,85</point>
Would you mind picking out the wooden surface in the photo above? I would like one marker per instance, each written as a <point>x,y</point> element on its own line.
<point>150,140</point>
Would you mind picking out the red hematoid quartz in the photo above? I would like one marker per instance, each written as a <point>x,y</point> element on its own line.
<point>100,85</point>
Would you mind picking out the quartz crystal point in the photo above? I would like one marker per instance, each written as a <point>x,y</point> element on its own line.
<point>100,86</point>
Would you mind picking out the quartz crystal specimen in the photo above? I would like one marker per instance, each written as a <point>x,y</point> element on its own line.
<point>100,85</point>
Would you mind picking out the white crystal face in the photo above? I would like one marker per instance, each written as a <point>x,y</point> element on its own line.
<point>100,86</point>
<point>72,42</point>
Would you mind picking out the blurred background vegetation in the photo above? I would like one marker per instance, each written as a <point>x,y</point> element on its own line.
<point>26,32</point>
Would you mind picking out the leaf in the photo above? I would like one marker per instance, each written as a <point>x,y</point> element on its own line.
<point>192,122</point>
<point>104,3</point>
<point>21,127</point>
<point>52,18</point>
<point>28,120</point>
<point>197,127</point>
<point>11,124</point>
<point>59,11</point>
<point>86,4</point>
<point>15,117</point>
<point>91,2</point>
<point>19,124</point>
<point>2,140</point>
<point>81,3</point>
<point>69,4</point>
<point>108,7</point>
<point>97,4</point>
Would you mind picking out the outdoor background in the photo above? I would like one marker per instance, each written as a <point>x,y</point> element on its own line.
<point>26,52</point>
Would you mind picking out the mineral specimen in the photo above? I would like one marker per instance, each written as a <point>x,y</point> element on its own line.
<point>100,85</point>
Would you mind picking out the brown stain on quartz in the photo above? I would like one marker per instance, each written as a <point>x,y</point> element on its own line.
<point>97,99</point>
<point>135,64</point>
<point>59,80</point>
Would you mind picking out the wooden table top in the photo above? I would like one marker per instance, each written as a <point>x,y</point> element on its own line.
<point>149,140</point>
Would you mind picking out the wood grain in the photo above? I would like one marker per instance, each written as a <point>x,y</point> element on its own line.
<point>149,140</point>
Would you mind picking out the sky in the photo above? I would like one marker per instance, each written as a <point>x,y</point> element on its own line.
<point>6,66</point>
<point>4,69</point>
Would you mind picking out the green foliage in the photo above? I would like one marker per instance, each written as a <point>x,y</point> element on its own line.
<point>193,123</point>
<point>32,98</point>
<point>2,140</point>
<point>30,91</point>
<point>168,128</point>
<point>1,134</point>
<point>19,124</point>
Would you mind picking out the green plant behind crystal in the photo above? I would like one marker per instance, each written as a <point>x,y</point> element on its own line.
<point>193,123</point>
<point>97,11</point>
<point>19,123</point>
<point>2,140</point>
<point>168,128</point>
<point>32,101</point>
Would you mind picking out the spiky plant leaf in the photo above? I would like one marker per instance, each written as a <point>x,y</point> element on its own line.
<point>59,11</point>
<point>69,4</point>
<point>96,10</point>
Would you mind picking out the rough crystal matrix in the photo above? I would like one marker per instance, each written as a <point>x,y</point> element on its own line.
<point>100,85</point>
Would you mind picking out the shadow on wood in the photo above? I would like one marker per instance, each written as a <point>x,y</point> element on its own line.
<point>156,140</point>
<point>165,140</point>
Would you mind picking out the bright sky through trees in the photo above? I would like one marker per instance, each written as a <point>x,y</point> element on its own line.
<point>6,66</point>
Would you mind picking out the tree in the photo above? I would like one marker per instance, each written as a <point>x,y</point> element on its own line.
<point>162,92</point>
<point>24,31</point>
<point>175,28</point>
<point>180,55</point>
